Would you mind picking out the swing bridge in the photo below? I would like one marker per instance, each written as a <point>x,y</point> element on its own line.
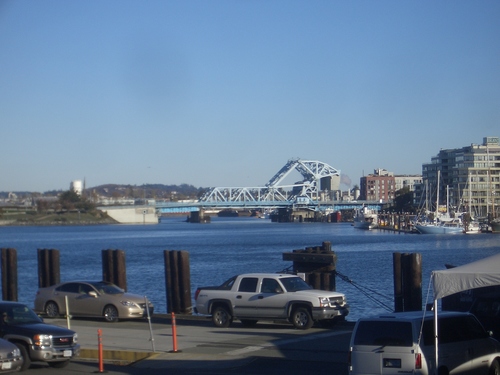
<point>316,191</point>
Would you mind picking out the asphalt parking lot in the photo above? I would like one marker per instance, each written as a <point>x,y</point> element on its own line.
<point>201,348</point>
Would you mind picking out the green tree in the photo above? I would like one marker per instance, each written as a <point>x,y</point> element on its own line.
<point>70,200</point>
<point>403,201</point>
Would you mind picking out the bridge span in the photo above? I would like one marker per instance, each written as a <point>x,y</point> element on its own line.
<point>322,206</point>
<point>318,189</point>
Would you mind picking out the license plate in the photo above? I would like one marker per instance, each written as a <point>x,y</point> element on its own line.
<point>67,353</point>
<point>6,365</point>
<point>392,363</point>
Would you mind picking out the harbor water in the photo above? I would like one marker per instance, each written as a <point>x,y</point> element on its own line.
<point>228,246</point>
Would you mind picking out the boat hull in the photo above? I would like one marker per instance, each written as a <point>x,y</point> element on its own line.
<point>437,229</point>
<point>364,224</point>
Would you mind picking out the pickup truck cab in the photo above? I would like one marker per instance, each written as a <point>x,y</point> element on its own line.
<point>268,296</point>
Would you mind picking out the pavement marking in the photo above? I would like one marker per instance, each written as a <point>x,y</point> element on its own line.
<point>254,348</point>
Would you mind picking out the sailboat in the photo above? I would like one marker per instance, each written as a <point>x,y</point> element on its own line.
<point>470,225</point>
<point>442,224</point>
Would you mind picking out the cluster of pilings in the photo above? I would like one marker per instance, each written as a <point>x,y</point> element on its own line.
<point>316,264</point>
<point>177,276</point>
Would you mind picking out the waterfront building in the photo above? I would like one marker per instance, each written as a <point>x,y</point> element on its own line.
<point>407,181</point>
<point>469,178</point>
<point>379,186</point>
<point>382,185</point>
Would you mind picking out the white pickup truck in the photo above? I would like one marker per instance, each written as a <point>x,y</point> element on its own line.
<point>269,296</point>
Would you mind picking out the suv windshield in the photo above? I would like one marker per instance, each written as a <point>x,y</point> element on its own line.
<point>19,314</point>
<point>294,284</point>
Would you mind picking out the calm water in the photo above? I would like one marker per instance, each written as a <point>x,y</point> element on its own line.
<point>236,245</point>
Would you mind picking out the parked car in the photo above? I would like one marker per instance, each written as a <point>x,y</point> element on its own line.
<point>404,343</point>
<point>91,299</point>
<point>10,357</point>
<point>36,340</point>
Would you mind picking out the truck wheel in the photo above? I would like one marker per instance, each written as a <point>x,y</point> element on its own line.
<point>26,356</point>
<point>110,314</point>
<point>51,309</point>
<point>301,318</point>
<point>59,364</point>
<point>221,317</point>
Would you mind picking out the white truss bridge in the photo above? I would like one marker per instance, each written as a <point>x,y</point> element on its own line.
<point>274,193</point>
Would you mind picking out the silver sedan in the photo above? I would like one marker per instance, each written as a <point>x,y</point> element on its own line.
<point>91,299</point>
<point>10,357</point>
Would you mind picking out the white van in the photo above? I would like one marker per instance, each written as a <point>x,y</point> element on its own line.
<point>403,343</point>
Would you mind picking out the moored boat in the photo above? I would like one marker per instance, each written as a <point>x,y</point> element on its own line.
<point>472,228</point>
<point>365,218</point>
<point>445,227</point>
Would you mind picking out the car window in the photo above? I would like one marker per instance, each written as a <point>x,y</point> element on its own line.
<point>85,289</point>
<point>453,329</point>
<point>486,307</point>
<point>69,288</point>
<point>228,285</point>
<point>248,284</point>
<point>270,286</point>
<point>384,333</point>
<point>19,314</point>
<point>294,284</point>
<point>107,288</point>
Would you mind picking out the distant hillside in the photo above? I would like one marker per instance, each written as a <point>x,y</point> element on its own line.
<point>154,191</point>
<point>149,191</point>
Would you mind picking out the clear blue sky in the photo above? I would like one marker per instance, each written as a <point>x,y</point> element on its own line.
<point>223,93</point>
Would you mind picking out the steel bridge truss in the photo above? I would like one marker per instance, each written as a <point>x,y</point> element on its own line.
<point>311,171</point>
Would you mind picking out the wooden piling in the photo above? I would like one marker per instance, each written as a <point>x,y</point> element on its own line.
<point>398,283</point>
<point>177,282</point>
<point>416,282</point>
<point>113,267</point>
<point>407,282</point>
<point>49,272</point>
<point>168,281</point>
<point>9,274</point>
<point>185,283</point>
<point>317,263</point>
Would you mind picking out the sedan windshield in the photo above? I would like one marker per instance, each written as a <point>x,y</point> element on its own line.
<point>107,288</point>
<point>294,284</point>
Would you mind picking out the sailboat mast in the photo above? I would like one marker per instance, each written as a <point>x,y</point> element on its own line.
<point>470,195</point>
<point>437,194</point>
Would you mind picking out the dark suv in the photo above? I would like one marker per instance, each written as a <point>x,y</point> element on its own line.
<point>36,340</point>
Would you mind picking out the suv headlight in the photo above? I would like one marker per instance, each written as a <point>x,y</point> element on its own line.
<point>42,340</point>
<point>75,338</point>
<point>324,301</point>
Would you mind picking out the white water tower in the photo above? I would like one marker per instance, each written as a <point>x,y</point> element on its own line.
<point>76,186</point>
